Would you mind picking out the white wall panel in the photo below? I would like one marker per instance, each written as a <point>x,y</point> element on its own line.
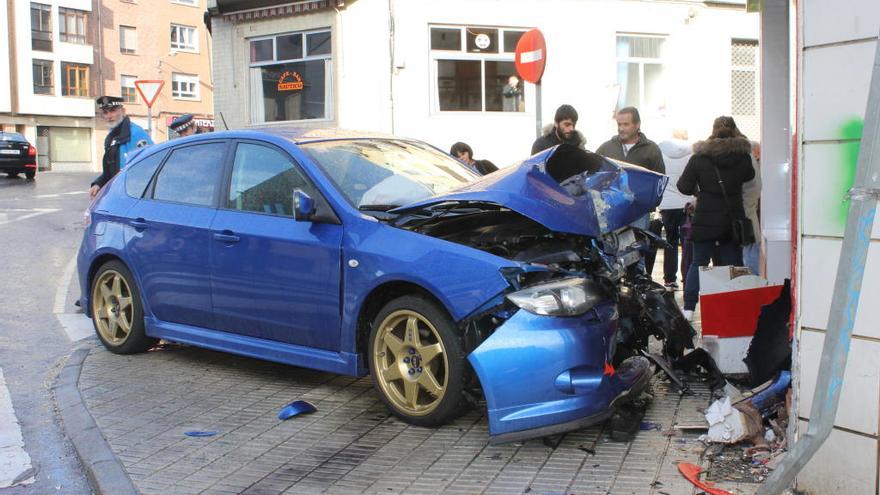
<point>845,464</point>
<point>852,20</point>
<point>820,259</point>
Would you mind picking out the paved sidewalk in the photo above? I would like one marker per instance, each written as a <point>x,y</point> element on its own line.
<point>143,405</point>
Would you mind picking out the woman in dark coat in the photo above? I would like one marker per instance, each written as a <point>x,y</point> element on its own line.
<point>726,153</point>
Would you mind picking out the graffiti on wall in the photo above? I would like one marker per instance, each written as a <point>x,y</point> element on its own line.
<point>850,134</point>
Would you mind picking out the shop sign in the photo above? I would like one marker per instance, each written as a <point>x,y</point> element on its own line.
<point>290,81</point>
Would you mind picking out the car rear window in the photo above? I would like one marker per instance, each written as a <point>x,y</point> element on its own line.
<point>12,136</point>
<point>191,174</point>
<point>138,174</point>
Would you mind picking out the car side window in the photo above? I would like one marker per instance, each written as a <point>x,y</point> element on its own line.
<point>138,174</point>
<point>190,175</point>
<point>263,180</point>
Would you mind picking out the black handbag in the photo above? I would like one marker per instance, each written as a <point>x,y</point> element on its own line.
<point>742,230</point>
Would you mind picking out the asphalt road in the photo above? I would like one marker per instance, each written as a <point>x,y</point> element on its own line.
<point>40,231</point>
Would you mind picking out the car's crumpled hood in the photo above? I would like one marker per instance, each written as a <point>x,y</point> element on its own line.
<point>600,195</point>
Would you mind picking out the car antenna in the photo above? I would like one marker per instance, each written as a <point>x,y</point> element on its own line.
<point>225,127</point>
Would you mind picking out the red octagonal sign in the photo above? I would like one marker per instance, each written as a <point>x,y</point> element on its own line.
<point>531,56</point>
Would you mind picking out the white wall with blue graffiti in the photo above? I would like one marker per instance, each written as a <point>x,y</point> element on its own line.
<point>836,52</point>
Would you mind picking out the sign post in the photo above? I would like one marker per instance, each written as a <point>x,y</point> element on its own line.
<point>531,57</point>
<point>149,91</point>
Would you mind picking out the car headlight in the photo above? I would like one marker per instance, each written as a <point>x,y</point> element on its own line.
<point>568,297</point>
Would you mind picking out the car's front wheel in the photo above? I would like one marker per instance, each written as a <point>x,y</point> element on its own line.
<point>30,175</point>
<point>117,311</point>
<point>417,362</point>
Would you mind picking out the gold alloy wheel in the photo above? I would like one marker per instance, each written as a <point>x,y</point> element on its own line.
<point>112,307</point>
<point>411,365</point>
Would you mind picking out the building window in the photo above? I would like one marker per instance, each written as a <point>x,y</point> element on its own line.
<point>70,144</point>
<point>43,80</point>
<point>640,73</point>
<point>41,27</point>
<point>127,39</point>
<point>744,90</point>
<point>72,25</point>
<point>290,76</point>
<point>184,38</point>
<point>185,86</point>
<point>74,79</point>
<point>475,69</point>
<point>129,94</point>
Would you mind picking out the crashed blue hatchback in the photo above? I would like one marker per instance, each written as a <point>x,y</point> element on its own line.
<point>369,254</point>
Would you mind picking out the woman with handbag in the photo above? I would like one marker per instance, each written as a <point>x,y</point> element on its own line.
<point>715,175</point>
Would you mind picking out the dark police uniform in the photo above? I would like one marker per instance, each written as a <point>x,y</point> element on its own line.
<point>119,143</point>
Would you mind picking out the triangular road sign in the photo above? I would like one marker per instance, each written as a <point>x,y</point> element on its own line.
<point>149,90</point>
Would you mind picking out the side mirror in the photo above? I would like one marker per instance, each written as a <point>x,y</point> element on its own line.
<point>303,206</point>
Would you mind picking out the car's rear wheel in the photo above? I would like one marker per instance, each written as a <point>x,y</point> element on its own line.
<point>30,175</point>
<point>12,175</point>
<point>417,362</point>
<point>117,311</point>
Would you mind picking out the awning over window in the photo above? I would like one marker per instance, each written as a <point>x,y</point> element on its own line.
<point>243,10</point>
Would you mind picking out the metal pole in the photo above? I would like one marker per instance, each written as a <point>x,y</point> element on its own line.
<point>538,126</point>
<point>845,299</point>
<point>150,121</point>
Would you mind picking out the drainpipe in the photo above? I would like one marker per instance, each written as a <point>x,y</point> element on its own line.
<point>863,199</point>
<point>391,63</point>
<point>13,59</point>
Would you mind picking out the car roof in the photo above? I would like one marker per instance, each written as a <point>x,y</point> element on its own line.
<point>301,135</point>
<point>11,136</point>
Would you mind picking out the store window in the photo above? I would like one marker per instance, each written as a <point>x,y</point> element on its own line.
<point>475,69</point>
<point>74,79</point>
<point>41,27</point>
<point>128,39</point>
<point>184,86</point>
<point>70,144</point>
<point>290,76</point>
<point>640,73</point>
<point>184,38</point>
<point>128,91</point>
<point>72,25</point>
<point>43,78</point>
<point>744,90</point>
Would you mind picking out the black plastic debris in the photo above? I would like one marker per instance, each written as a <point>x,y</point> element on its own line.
<point>770,350</point>
<point>701,358</point>
<point>296,408</point>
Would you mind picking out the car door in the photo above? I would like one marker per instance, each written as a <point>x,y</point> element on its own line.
<point>169,238</point>
<point>274,277</point>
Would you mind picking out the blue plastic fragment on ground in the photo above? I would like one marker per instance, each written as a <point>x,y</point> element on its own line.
<point>200,433</point>
<point>647,425</point>
<point>296,408</point>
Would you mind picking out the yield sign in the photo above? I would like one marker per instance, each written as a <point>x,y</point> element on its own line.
<point>149,90</point>
<point>531,56</point>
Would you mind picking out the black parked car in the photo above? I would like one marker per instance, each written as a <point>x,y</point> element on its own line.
<point>17,155</point>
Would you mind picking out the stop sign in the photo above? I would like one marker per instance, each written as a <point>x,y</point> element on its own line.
<point>531,56</point>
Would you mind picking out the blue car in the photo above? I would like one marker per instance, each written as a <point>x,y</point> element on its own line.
<point>368,254</point>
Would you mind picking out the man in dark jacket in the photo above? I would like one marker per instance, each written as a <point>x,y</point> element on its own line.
<point>465,154</point>
<point>563,131</point>
<point>124,137</point>
<point>630,145</point>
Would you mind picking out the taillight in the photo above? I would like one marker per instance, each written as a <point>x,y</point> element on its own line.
<point>32,151</point>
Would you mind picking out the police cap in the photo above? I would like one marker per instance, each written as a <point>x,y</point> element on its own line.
<point>108,102</point>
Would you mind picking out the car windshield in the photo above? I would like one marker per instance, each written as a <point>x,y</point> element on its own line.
<point>380,174</point>
<point>12,136</point>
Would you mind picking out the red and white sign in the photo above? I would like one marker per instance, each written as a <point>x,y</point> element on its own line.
<point>149,90</point>
<point>531,56</point>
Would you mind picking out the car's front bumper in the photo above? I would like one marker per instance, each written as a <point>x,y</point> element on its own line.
<point>544,375</point>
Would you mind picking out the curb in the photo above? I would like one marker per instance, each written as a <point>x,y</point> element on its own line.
<point>105,472</point>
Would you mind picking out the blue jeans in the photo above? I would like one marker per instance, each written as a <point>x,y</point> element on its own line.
<point>752,257</point>
<point>729,253</point>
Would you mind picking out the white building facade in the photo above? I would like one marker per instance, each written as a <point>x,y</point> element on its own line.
<point>435,70</point>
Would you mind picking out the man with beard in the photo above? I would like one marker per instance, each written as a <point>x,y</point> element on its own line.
<point>124,136</point>
<point>563,131</point>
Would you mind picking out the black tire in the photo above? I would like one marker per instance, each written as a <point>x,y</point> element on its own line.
<point>117,311</point>
<point>12,175</point>
<point>30,175</point>
<point>410,363</point>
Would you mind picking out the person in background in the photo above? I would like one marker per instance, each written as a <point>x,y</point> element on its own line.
<point>676,153</point>
<point>184,125</point>
<point>751,200</point>
<point>124,136</point>
<point>511,95</point>
<point>562,131</point>
<point>465,154</point>
<point>715,174</point>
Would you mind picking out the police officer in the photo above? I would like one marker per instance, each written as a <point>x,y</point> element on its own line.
<point>124,137</point>
<point>184,125</point>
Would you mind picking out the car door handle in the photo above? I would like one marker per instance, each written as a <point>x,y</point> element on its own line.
<point>138,224</point>
<point>226,236</point>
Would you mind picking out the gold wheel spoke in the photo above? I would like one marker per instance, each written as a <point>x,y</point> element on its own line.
<point>124,303</point>
<point>394,344</point>
<point>116,289</point>
<point>101,312</point>
<point>429,382</point>
<point>123,325</point>
<point>429,352</point>
<point>105,293</point>
<point>412,331</point>
<point>411,393</point>
<point>391,374</point>
<point>112,327</point>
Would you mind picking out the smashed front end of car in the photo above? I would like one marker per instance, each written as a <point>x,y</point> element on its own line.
<point>566,343</point>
